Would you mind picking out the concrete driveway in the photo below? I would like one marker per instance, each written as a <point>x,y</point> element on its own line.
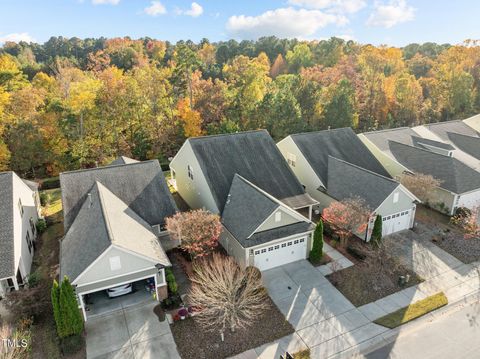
<point>130,333</point>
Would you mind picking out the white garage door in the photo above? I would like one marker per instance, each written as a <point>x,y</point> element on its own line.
<point>280,253</point>
<point>396,222</point>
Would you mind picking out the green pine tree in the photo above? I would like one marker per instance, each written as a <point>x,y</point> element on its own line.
<point>377,231</point>
<point>55,295</point>
<point>71,315</point>
<point>317,248</point>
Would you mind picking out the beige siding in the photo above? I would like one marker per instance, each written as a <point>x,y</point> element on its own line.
<point>234,248</point>
<point>302,169</point>
<point>405,202</point>
<point>394,168</point>
<point>196,193</point>
<point>443,200</point>
<point>285,219</point>
<point>102,270</point>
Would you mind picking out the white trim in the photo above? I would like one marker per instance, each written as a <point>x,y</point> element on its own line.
<point>129,251</point>
<point>115,276</point>
<point>103,254</point>
<point>156,287</point>
<point>267,244</point>
<point>114,285</point>
<point>82,305</point>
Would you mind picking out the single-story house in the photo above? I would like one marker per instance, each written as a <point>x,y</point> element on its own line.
<point>260,230</point>
<point>114,220</point>
<point>334,165</point>
<point>459,183</point>
<point>208,171</point>
<point>19,213</point>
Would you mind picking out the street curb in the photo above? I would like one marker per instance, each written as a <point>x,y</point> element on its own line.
<point>379,341</point>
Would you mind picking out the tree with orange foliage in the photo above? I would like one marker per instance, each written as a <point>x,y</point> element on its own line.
<point>191,120</point>
<point>198,231</point>
<point>348,217</point>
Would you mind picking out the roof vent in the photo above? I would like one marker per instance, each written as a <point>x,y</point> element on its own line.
<point>228,198</point>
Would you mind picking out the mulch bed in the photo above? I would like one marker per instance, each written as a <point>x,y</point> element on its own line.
<point>193,341</point>
<point>466,250</point>
<point>373,278</point>
<point>324,260</point>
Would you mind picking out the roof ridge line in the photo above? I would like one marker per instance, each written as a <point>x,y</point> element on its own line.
<point>227,134</point>
<point>387,130</point>
<point>327,130</point>
<point>109,166</point>
<point>104,212</point>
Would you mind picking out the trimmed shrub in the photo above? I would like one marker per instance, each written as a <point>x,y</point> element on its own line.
<point>71,317</point>
<point>57,315</point>
<point>317,248</point>
<point>377,231</point>
<point>41,225</point>
<point>171,281</point>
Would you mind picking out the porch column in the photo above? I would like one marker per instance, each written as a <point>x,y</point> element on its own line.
<point>156,286</point>
<point>310,212</point>
<point>15,283</point>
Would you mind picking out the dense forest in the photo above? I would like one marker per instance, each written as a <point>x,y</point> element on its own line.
<point>72,103</point>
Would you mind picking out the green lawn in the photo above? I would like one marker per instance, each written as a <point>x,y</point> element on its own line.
<point>413,311</point>
<point>53,203</point>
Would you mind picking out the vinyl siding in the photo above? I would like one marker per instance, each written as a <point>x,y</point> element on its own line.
<point>404,203</point>
<point>195,193</point>
<point>286,219</point>
<point>234,248</point>
<point>23,257</point>
<point>302,169</point>
<point>101,270</point>
<point>393,168</point>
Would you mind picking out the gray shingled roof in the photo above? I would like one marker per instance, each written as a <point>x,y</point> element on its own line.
<point>454,175</point>
<point>420,141</point>
<point>104,220</point>
<point>467,144</point>
<point>253,155</point>
<point>381,138</point>
<point>341,143</point>
<point>346,180</point>
<point>441,129</point>
<point>140,185</point>
<point>122,160</point>
<point>246,208</point>
<point>7,263</point>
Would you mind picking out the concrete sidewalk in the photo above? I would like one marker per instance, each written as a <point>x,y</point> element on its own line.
<point>330,326</point>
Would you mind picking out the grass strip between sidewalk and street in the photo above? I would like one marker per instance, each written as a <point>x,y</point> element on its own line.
<point>413,311</point>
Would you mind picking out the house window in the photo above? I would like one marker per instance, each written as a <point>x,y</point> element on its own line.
<point>270,249</point>
<point>264,250</point>
<point>284,245</point>
<point>29,243</point>
<point>289,243</point>
<point>278,216</point>
<point>32,226</point>
<point>395,197</point>
<point>291,159</point>
<point>296,242</point>
<point>257,252</point>
<point>20,207</point>
<point>190,172</point>
<point>302,240</point>
<point>115,263</point>
<point>276,247</point>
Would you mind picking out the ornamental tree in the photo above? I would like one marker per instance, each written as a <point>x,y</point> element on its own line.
<point>467,220</point>
<point>227,295</point>
<point>198,231</point>
<point>377,231</point>
<point>71,317</point>
<point>55,295</point>
<point>347,217</point>
<point>421,185</point>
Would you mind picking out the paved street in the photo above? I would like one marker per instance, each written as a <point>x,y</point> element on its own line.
<point>451,336</point>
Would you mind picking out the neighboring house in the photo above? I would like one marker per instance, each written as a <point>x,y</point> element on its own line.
<point>203,170</point>
<point>378,144</point>
<point>445,132</point>
<point>460,184</point>
<point>334,165</point>
<point>260,230</point>
<point>244,178</point>
<point>19,212</point>
<point>114,219</point>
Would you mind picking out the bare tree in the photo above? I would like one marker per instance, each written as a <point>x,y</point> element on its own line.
<point>198,231</point>
<point>347,217</point>
<point>421,185</point>
<point>228,296</point>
